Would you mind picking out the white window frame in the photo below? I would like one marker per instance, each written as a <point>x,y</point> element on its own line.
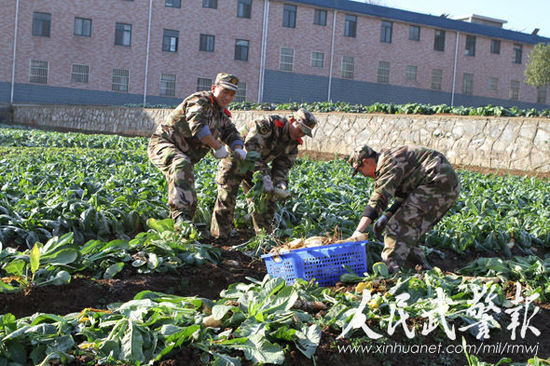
<point>286,60</point>
<point>317,59</point>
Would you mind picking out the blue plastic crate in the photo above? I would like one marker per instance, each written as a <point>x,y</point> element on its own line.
<point>325,263</point>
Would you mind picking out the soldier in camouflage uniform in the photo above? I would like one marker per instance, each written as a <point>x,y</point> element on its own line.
<point>424,185</point>
<point>193,129</point>
<point>276,139</point>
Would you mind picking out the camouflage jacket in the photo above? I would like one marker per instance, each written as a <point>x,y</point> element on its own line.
<point>271,138</point>
<point>400,171</point>
<point>196,117</point>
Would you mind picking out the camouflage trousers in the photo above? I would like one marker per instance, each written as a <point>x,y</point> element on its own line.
<point>178,170</point>
<point>229,180</point>
<point>420,212</point>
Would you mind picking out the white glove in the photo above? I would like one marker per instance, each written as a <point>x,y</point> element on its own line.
<point>221,153</point>
<point>240,154</point>
<point>268,183</point>
<point>357,234</point>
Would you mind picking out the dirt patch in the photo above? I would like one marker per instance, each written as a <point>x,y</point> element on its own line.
<point>83,291</point>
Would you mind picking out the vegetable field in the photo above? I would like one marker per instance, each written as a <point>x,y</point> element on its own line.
<point>92,272</point>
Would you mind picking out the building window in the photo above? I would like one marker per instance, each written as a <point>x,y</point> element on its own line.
<point>41,24</point>
<point>173,3</point>
<point>240,95</point>
<point>82,27</point>
<point>514,90</point>
<point>79,73</point>
<point>207,43</point>
<point>386,31</point>
<point>437,77</point>
<point>289,16</point>
<point>170,40</point>
<point>287,59</point>
<point>320,17</point>
<point>468,84</point>
<point>439,40</point>
<point>123,34</point>
<point>244,8</point>
<point>383,75</point>
<point>411,72</point>
<point>518,50</point>
<point>470,45</point>
<point>38,72</point>
<point>204,84</point>
<point>212,4</point>
<point>414,33</point>
<point>168,85</point>
<point>493,83</point>
<point>350,29</point>
<point>541,94</point>
<point>241,49</point>
<point>348,66</point>
<point>121,79</point>
<point>495,46</point>
<point>317,59</point>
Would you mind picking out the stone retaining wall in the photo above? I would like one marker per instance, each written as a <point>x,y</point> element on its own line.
<point>489,142</point>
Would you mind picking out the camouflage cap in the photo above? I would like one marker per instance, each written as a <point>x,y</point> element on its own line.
<point>305,120</point>
<point>227,81</point>
<point>358,155</point>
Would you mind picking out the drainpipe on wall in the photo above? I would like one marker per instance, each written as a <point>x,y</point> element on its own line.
<point>263,52</point>
<point>331,56</point>
<point>14,51</point>
<point>454,70</point>
<point>147,54</point>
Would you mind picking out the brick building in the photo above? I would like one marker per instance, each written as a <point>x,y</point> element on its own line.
<point>159,51</point>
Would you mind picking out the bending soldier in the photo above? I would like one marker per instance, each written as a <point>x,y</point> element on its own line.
<point>425,187</point>
<point>276,139</point>
<point>193,129</point>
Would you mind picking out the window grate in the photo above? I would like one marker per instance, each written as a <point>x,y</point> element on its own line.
<point>38,72</point>
<point>287,59</point>
<point>383,75</point>
<point>121,79</point>
<point>348,67</point>
<point>204,84</point>
<point>79,73</point>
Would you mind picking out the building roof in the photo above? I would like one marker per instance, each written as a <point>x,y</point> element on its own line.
<point>480,19</point>
<point>424,19</point>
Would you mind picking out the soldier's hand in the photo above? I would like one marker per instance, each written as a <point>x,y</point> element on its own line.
<point>240,154</point>
<point>221,153</point>
<point>380,225</point>
<point>357,234</point>
<point>268,183</point>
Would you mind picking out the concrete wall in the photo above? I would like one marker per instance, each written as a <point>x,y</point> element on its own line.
<point>490,142</point>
